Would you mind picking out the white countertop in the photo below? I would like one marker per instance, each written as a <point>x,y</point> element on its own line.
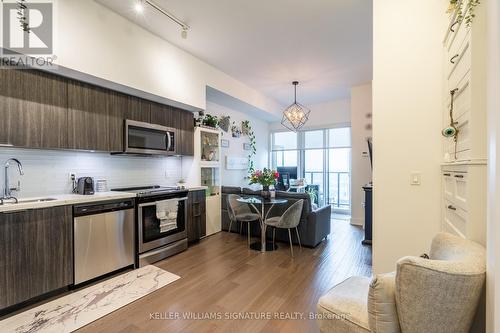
<point>64,199</point>
<point>196,188</point>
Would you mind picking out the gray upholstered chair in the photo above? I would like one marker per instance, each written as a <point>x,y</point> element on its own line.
<point>240,212</point>
<point>289,220</point>
<point>438,294</point>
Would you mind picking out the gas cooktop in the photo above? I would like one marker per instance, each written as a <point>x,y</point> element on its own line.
<point>146,191</point>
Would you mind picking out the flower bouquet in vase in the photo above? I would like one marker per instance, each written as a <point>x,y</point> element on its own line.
<point>266,178</point>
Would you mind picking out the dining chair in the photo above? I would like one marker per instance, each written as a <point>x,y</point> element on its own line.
<point>289,220</point>
<point>240,212</point>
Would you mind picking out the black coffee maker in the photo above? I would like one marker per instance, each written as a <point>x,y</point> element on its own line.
<point>85,186</point>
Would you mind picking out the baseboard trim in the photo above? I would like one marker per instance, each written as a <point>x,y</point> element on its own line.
<point>357,221</point>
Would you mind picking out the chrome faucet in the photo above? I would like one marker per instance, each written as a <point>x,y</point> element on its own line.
<point>7,191</point>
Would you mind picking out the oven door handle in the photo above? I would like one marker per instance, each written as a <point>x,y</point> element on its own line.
<point>154,202</point>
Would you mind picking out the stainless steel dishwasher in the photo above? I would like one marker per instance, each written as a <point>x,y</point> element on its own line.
<point>104,238</point>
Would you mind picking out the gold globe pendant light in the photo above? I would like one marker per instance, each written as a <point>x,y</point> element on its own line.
<point>296,115</point>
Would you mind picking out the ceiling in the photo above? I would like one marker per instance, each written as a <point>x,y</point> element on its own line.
<point>324,44</point>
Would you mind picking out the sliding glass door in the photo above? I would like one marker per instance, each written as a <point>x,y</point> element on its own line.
<point>322,158</point>
<point>339,168</point>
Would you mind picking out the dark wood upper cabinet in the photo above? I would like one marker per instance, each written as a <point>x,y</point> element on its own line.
<point>117,106</point>
<point>36,253</point>
<point>138,109</point>
<point>33,109</point>
<point>88,121</point>
<point>42,110</point>
<point>162,115</point>
<point>187,133</point>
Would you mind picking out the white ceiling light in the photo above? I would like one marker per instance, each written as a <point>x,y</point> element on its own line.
<point>139,7</point>
<point>296,115</point>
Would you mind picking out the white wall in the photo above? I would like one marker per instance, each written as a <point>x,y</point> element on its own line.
<point>361,110</point>
<point>93,39</point>
<point>324,115</point>
<point>261,130</point>
<point>47,172</point>
<point>493,229</point>
<point>407,101</point>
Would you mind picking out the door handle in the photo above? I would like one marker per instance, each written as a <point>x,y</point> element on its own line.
<point>169,141</point>
<point>452,60</point>
<point>450,207</point>
<point>459,176</point>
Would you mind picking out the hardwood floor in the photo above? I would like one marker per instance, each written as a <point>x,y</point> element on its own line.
<point>220,276</point>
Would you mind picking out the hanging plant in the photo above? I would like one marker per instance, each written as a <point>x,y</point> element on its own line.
<point>253,145</point>
<point>465,10</point>
<point>235,130</point>
<point>245,127</point>
<point>224,122</point>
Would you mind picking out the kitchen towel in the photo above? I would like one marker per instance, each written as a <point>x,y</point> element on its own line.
<point>166,212</point>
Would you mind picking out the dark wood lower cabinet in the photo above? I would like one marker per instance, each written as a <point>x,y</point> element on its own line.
<point>196,225</point>
<point>36,253</point>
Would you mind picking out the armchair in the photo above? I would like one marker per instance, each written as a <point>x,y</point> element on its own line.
<point>438,294</point>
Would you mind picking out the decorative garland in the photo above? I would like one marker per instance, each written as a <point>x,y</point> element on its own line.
<point>253,144</point>
<point>466,10</point>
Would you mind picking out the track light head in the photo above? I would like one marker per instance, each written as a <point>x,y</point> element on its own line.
<point>184,33</point>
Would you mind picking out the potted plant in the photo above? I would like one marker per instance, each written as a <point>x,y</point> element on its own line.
<point>210,121</point>
<point>266,178</point>
<point>313,194</point>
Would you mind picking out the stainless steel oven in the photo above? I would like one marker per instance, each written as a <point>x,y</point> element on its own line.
<point>155,241</point>
<point>151,235</point>
<point>146,138</point>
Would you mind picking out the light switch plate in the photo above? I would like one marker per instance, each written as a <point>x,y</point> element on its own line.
<point>415,178</point>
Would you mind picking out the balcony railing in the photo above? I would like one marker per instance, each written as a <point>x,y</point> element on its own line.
<point>338,194</point>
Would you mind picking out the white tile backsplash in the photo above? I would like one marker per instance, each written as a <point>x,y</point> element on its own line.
<point>47,172</point>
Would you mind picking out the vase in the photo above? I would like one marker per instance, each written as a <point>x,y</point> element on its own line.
<point>265,192</point>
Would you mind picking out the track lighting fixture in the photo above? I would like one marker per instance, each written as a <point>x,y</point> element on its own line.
<point>139,8</point>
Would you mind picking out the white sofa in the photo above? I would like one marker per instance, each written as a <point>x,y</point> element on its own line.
<point>438,294</point>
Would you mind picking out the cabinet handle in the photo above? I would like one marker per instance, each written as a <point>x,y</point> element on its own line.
<point>459,176</point>
<point>450,207</point>
<point>452,60</point>
<point>452,27</point>
<point>447,174</point>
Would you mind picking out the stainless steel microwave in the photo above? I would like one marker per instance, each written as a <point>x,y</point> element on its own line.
<point>146,138</point>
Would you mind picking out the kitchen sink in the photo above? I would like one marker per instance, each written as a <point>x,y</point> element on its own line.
<point>25,201</point>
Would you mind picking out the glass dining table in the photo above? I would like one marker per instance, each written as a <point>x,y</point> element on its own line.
<point>263,245</point>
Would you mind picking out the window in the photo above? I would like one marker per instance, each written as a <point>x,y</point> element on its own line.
<point>323,159</point>
<point>285,141</point>
<point>339,137</point>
